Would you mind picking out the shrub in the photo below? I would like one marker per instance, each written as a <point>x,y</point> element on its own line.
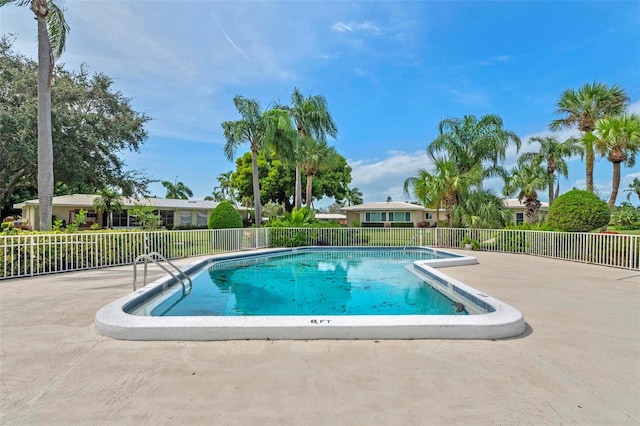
<point>578,211</point>
<point>626,216</point>
<point>225,216</point>
<point>401,224</point>
<point>513,241</point>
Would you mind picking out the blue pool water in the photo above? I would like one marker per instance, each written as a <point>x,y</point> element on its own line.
<point>335,282</point>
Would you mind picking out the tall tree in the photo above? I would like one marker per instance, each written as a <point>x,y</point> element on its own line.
<point>526,179</point>
<point>91,124</point>
<point>618,139</point>
<point>258,128</point>
<point>481,208</point>
<point>226,189</point>
<point>177,190</point>
<point>353,196</point>
<point>249,128</point>
<point>52,35</point>
<point>583,108</point>
<point>108,201</point>
<point>469,142</point>
<point>553,153</point>
<point>277,179</point>
<point>315,157</point>
<point>425,190</point>
<point>449,181</point>
<point>312,118</point>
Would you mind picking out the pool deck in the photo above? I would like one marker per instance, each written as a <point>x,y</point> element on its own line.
<point>577,363</point>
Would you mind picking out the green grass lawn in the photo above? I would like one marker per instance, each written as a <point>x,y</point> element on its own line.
<point>624,231</point>
<point>632,232</point>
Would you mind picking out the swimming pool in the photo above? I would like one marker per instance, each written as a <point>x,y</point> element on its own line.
<point>313,293</point>
<point>308,282</point>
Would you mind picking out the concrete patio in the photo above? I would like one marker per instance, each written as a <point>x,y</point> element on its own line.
<point>578,362</point>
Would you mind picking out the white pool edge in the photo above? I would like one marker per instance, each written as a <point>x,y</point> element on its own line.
<point>505,321</point>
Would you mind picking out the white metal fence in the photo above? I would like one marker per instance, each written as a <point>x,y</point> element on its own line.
<point>33,254</point>
<point>617,250</point>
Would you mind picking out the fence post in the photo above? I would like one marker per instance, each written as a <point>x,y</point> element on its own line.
<point>31,253</point>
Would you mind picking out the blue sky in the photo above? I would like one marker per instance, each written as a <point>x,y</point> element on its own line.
<point>389,70</point>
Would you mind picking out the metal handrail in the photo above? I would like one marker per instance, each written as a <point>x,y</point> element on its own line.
<point>153,257</point>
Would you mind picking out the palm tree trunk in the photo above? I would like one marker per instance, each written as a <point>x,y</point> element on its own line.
<point>615,185</point>
<point>256,188</point>
<point>551,190</point>
<point>309,189</point>
<point>589,159</point>
<point>45,140</point>
<point>298,193</point>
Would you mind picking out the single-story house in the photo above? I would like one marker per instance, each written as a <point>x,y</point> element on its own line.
<point>393,212</point>
<point>389,214</point>
<point>518,209</point>
<point>173,212</point>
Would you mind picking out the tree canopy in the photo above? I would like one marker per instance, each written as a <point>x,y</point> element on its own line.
<point>277,180</point>
<point>92,125</point>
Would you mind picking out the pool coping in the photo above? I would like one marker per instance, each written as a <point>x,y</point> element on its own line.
<point>504,320</point>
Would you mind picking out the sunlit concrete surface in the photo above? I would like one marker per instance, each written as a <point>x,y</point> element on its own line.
<point>577,363</point>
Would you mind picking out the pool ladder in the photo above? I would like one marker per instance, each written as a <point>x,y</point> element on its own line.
<point>154,257</point>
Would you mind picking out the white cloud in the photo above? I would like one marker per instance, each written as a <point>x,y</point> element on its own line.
<point>353,27</point>
<point>379,178</point>
<point>634,108</point>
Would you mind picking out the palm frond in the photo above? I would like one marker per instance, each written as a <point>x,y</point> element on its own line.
<point>58,28</point>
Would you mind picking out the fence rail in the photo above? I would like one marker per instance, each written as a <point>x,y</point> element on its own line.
<point>34,254</point>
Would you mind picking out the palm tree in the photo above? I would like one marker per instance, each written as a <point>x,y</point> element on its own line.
<point>469,142</point>
<point>177,190</point>
<point>617,138</point>
<point>311,118</point>
<point>553,152</point>
<point>258,128</point>
<point>526,179</point>
<point>353,197</point>
<point>52,35</point>
<point>108,201</point>
<point>583,108</point>
<point>481,208</point>
<point>216,195</point>
<point>226,187</point>
<point>315,156</point>
<point>449,182</point>
<point>424,191</point>
<point>633,187</point>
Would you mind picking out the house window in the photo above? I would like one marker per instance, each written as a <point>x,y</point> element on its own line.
<point>201,219</point>
<point>120,218</point>
<point>399,217</point>
<point>428,216</point>
<point>185,218</point>
<point>166,217</point>
<point>519,218</point>
<point>375,217</point>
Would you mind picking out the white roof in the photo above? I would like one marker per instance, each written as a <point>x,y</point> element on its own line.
<point>86,200</point>
<point>330,216</point>
<point>384,206</point>
<point>515,203</point>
